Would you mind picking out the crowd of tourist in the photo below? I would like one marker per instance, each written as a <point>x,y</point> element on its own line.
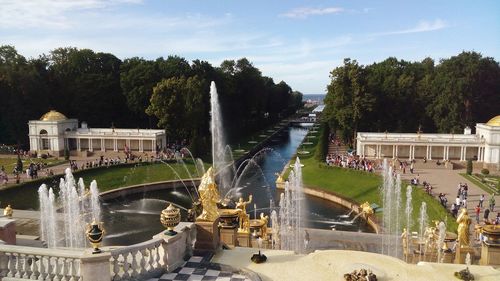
<point>348,160</point>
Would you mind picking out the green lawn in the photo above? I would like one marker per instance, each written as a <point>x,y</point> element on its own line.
<point>24,196</point>
<point>489,184</point>
<point>10,162</point>
<point>115,177</point>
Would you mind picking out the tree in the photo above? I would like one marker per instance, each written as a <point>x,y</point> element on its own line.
<point>347,100</point>
<point>180,104</point>
<point>466,91</point>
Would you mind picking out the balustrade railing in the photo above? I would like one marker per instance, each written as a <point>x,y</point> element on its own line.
<point>140,261</point>
<point>143,259</point>
<point>40,263</point>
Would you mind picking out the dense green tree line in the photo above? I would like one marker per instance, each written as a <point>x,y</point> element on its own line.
<point>169,93</point>
<point>400,96</point>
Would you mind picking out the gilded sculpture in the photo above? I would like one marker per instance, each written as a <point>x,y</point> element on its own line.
<point>463,221</point>
<point>264,220</point>
<point>244,218</point>
<point>209,197</point>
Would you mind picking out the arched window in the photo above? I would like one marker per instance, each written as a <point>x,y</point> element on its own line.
<point>45,143</point>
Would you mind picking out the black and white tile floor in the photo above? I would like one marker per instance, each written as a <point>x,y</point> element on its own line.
<point>199,268</point>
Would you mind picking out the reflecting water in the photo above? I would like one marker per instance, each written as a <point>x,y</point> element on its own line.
<point>134,218</point>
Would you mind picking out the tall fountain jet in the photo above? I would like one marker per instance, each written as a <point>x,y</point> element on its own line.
<point>391,216</point>
<point>78,207</point>
<point>222,165</point>
<point>291,212</point>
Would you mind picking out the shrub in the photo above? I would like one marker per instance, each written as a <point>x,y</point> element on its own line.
<point>485,171</point>
<point>469,166</point>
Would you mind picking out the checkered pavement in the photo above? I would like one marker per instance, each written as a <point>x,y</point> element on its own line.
<point>199,268</point>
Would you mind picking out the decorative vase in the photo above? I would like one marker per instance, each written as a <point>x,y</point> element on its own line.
<point>95,233</point>
<point>170,218</point>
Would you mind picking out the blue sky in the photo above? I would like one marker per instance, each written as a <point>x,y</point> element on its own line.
<point>299,42</point>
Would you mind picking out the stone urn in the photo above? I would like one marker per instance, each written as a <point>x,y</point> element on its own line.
<point>95,233</point>
<point>170,218</point>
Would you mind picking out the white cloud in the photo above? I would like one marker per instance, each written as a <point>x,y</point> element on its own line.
<point>304,12</point>
<point>24,14</point>
<point>422,26</point>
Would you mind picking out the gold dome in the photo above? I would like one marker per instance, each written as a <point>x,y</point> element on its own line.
<point>53,116</point>
<point>494,122</point>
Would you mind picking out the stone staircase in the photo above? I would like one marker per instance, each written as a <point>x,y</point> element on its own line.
<point>336,149</point>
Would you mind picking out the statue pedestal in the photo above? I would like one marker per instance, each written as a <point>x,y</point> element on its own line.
<point>461,253</point>
<point>8,230</point>
<point>207,235</point>
<point>229,236</point>
<point>490,255</point>
<point>243,239</point>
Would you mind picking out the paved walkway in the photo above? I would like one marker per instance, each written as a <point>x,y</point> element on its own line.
<point>446,181</point>
<point>199,268</point>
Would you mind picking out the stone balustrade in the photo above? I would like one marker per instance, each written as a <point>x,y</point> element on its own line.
<point>17,262</point>
<point>140,261</point>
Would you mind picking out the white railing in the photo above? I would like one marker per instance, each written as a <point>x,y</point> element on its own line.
<point>39,263</point>
<point>140,261</point>
<point>153,257</point>
<point>137,260</point>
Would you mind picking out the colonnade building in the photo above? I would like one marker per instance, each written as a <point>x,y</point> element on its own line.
<point>54,132</point>
<point>483,146</point>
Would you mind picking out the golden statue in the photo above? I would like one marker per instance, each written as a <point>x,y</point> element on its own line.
<point>279,179</point>
<point>404,240</point>
<point>8,211</point>
<point>244,219</point>
<point>209,197</point>
<point>463,221</point>
<point>366,210</point>
<point>265,220</point>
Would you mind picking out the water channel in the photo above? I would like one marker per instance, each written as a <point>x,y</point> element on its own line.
<point>135,218</point>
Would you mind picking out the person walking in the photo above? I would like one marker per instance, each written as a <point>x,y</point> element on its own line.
<point>492,202</point>
<point>486,215</point>
<point>478,212</point>
<point>481,200</point>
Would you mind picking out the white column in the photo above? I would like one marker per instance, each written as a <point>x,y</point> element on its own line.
<point>479,154</point>
<point>90,145</point>
<point>461,153</point>
<point>427,152</point>
<point>78,146</point>
<point>379,149</point>
<point>115,144</point>
<point>430,152</point>
<point>153,145</point>
<point>396,151</point>
<point>447,152</point>
<point>444,152</point>
<point>103,144</point>
<point>465,153</point>
<point>141,145</point>
<point>393,151</point>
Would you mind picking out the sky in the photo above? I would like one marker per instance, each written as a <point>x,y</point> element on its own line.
<point>298,42</point>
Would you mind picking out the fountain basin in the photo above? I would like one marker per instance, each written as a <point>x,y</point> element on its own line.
<point>229,217</point>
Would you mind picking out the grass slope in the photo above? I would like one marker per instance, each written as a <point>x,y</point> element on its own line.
<point>25,196</point>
